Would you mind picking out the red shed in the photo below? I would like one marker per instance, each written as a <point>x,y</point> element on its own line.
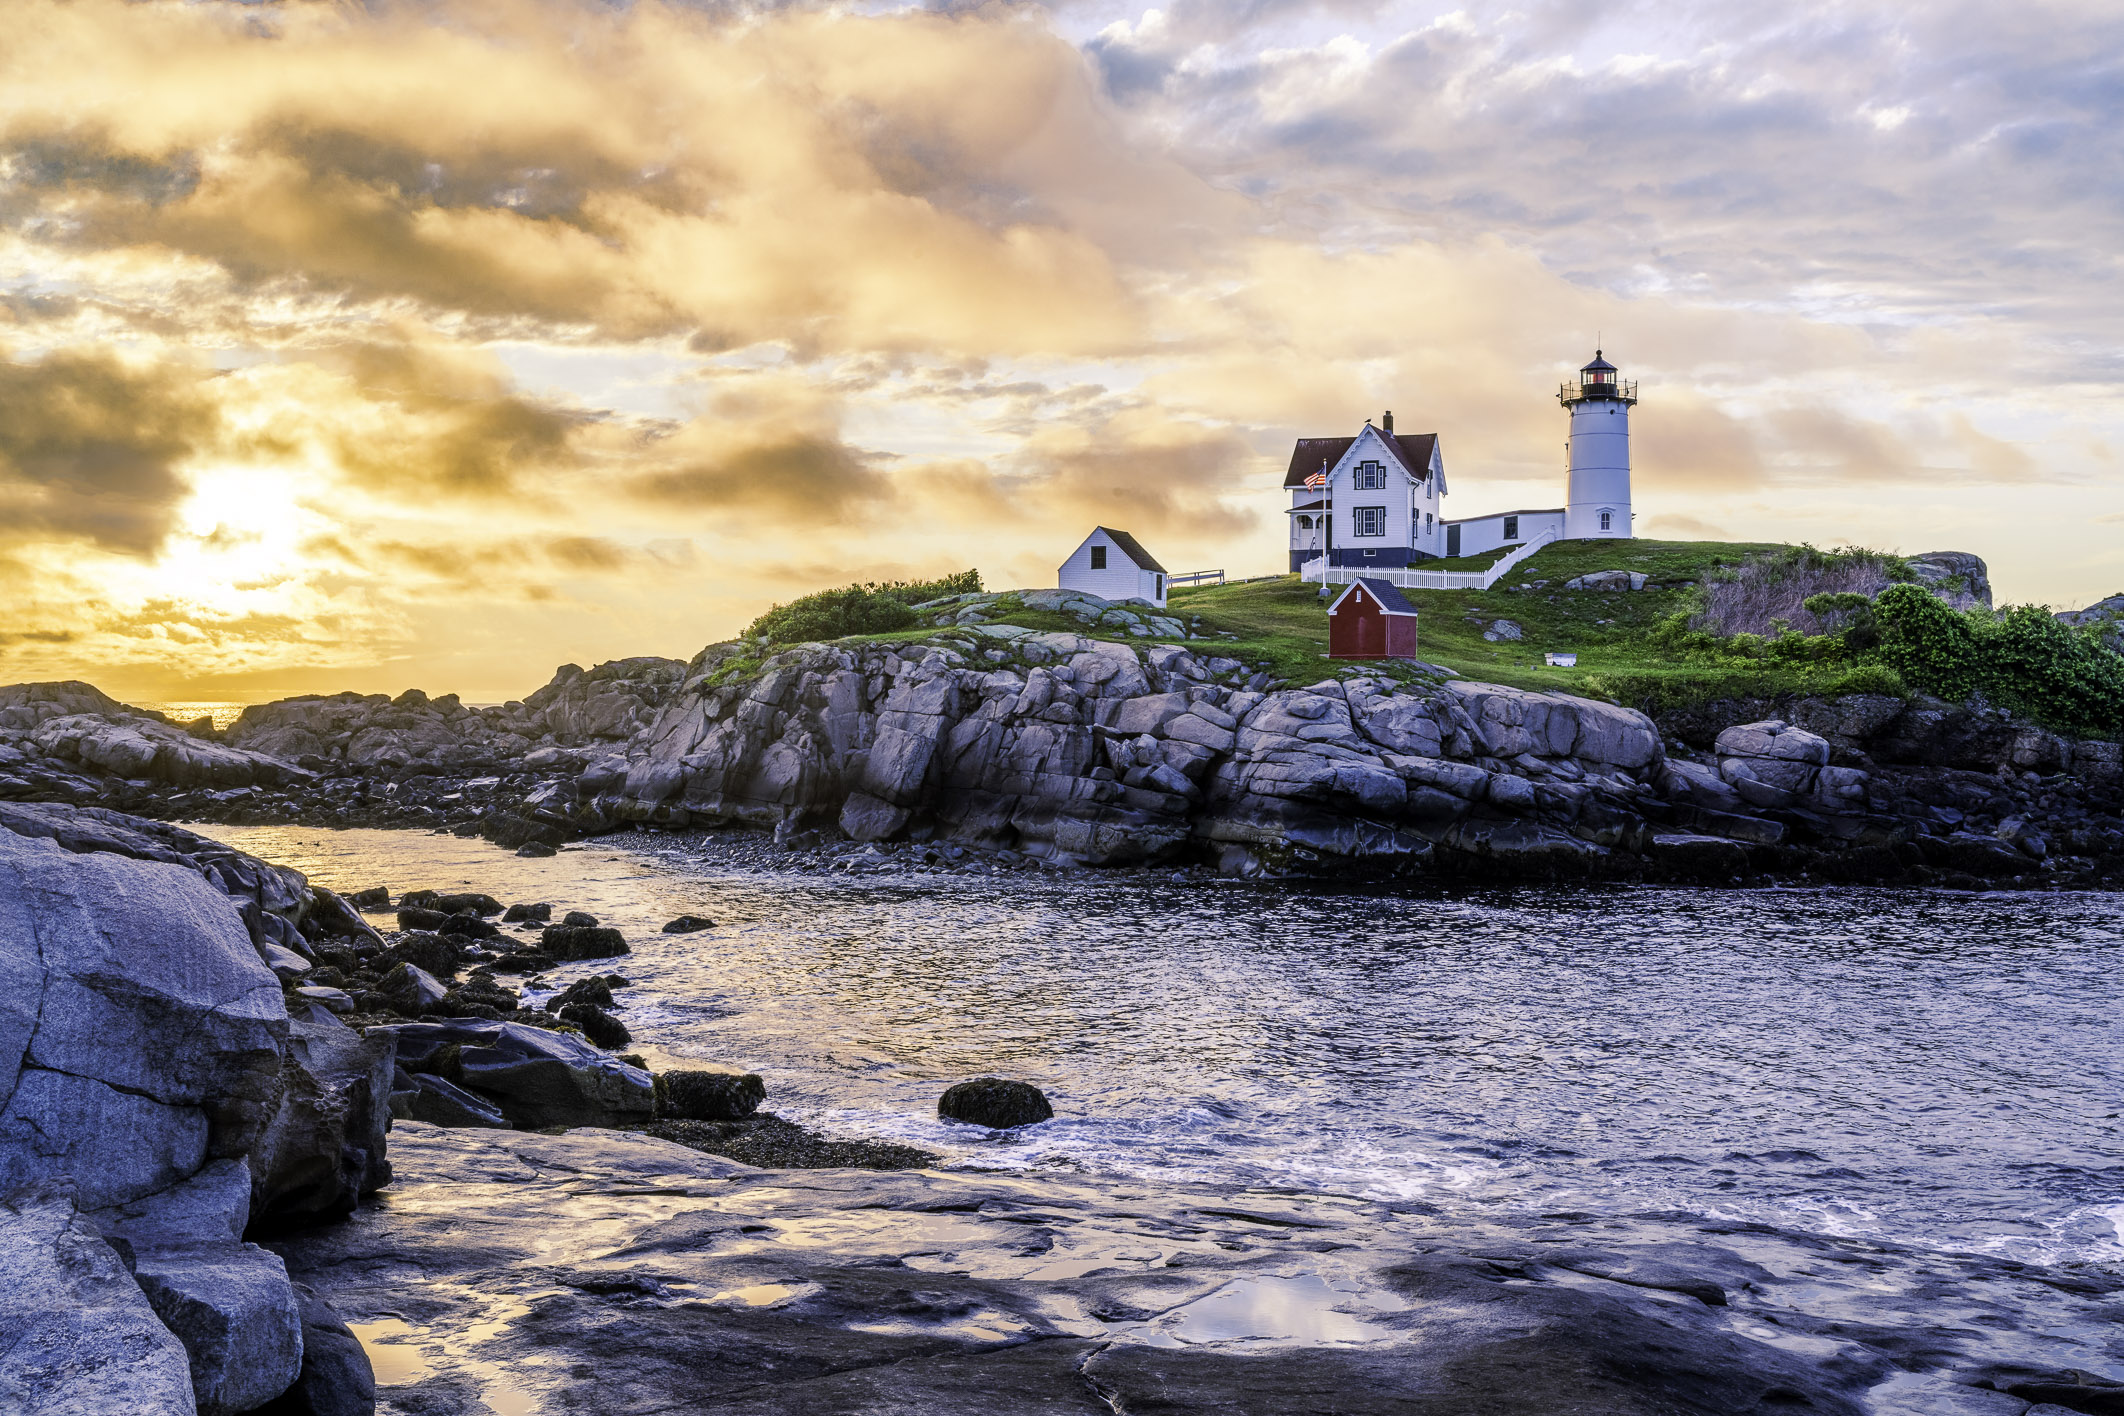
<point>1371,620</point>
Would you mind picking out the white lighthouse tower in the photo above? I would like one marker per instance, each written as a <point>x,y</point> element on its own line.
<point>1598,504</point>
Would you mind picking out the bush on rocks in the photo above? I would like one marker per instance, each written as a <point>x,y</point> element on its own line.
<point>708,1096</point>
<point>995,1103</point>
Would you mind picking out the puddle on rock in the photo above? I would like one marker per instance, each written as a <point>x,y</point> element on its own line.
<point>1274,1310</point>
<point>402,1356</point>
<point>396,1361</point>
<point>763,1295</point>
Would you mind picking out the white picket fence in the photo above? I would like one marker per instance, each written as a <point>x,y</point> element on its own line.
<point>1320,572</point>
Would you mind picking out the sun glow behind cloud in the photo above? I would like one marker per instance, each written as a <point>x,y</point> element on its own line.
<point>363,347</point>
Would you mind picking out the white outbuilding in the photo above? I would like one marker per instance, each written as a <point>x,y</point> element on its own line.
<point>1114,566</point>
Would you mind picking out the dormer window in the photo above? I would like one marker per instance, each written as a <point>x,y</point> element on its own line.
<point>1371,477</point>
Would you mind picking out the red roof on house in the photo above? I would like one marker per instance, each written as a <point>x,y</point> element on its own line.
<point>1312,454</point>
<point>1384,594</point>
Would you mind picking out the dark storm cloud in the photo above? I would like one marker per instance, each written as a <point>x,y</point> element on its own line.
<point>89,448</point>
<point>792,475</point>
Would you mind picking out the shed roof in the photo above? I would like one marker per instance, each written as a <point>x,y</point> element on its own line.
<point>1390,599</point>
<point>1131,548</point>
<point>1309,455</point>
<point>1493,515</point>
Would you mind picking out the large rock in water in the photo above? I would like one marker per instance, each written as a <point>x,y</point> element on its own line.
<point>995,1102</point>
<point>708,1096</point>
<point>537,1078</point>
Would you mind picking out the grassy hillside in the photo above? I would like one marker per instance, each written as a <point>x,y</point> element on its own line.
<point>1283,621</point>
<point>1797,620</point>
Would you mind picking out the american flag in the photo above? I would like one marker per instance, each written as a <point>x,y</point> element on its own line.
<point>1318,479</point>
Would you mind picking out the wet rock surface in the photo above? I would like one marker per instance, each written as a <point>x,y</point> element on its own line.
<point>692,1283</point>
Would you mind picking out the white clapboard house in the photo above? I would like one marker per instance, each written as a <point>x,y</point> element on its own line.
<point>1114,566</point>
<point>1376,501</point>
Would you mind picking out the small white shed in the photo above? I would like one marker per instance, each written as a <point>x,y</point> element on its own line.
<point>1113,566</point>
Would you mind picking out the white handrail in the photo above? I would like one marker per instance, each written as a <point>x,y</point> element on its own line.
<point>1496,572</point>
<point>1318,570</point>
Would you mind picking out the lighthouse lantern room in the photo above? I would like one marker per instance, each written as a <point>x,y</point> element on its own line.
<point>1598,501</point>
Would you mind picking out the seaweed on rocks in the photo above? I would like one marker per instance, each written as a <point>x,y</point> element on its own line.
<point>771,1143</point>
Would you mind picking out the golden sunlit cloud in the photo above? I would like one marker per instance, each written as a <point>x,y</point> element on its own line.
<point>359,346</point>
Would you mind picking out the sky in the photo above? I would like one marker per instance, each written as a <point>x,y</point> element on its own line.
<point>389,345</point>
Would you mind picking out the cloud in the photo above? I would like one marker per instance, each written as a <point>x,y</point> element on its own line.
<point>449,422</point>
<point>1139,470</point>
<point>846,181</point>
<point>90,447</point>
<point>768,445</point>
<point>586,553</point>
<point>1676,527</point>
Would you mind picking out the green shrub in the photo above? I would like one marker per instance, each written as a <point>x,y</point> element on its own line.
<point>2020,658</point>
<point>871,608</point>
<point>831,614</point>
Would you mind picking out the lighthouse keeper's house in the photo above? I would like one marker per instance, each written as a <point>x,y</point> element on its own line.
<point>1376,501</point>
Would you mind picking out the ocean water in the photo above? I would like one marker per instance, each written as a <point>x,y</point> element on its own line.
<point>190,711</point>
<point>1939,1069</point>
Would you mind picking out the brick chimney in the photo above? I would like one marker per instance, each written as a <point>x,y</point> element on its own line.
<point>1387,423</point>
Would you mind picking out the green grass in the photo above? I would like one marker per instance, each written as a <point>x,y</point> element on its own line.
<point>1283,622</point>
<point>1280,625</point>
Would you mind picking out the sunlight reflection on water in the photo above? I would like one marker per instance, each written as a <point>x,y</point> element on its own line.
<point>1930,1067</point>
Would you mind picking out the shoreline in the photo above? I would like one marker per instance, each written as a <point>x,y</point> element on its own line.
<point>540,1264</point>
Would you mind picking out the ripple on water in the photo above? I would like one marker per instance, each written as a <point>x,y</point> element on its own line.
<point>1930,1067</point>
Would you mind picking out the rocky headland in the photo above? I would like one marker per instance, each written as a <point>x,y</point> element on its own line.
<point>996,743</point>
